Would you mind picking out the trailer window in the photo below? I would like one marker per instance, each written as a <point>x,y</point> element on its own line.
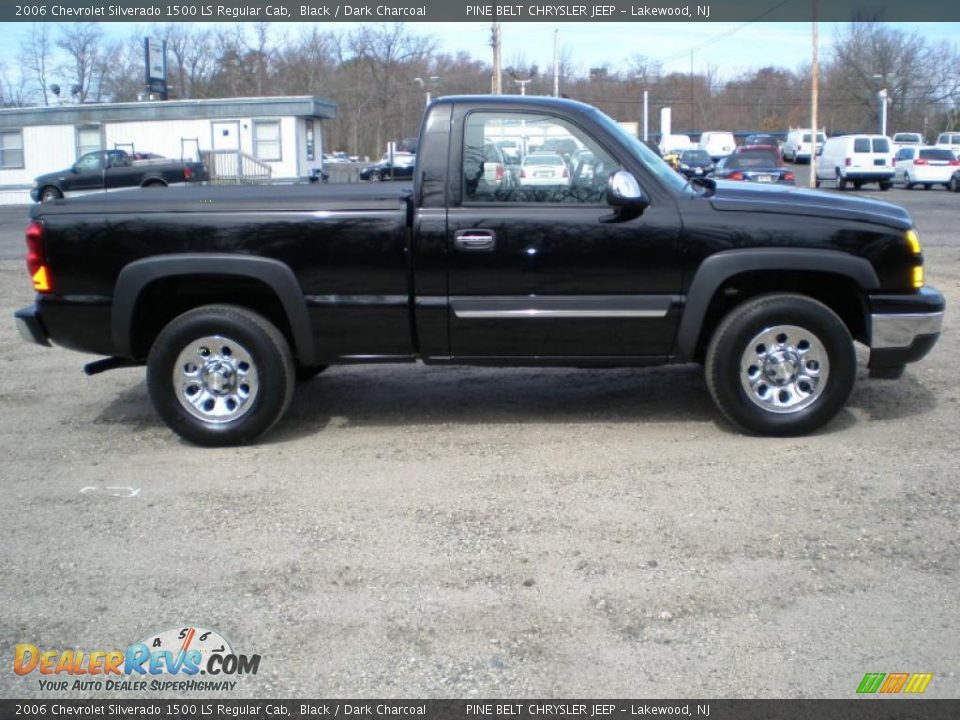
<point>11,149</point>
<point>266,140</point>
<point>88,139</point>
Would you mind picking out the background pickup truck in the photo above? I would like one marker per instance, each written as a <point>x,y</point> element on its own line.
<point>112,170</point>
<point>228,295</point>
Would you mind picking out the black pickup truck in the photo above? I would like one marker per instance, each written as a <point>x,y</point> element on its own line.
<point>113,170</point>
<point>228,295</point>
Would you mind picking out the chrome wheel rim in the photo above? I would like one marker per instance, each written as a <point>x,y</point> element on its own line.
<point>784,369</point>
<point>215,379</point>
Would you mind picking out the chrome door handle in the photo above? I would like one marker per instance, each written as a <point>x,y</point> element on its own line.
<point>474,240</point>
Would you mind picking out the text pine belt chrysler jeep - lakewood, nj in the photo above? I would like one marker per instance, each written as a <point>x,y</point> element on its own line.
<point>603,257</point>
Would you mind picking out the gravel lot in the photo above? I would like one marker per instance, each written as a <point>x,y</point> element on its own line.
<point>459,532</point>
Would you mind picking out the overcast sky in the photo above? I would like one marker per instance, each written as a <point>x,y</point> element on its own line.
<point>728,47</point>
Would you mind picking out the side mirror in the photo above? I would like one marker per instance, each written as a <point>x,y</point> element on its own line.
<point>623,191</point>
<point>820,151</point>
<point>74,169</point>
<point>625,196</point>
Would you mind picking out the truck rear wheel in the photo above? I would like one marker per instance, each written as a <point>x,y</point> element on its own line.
<point>220,375</point>
<point>781,365</point>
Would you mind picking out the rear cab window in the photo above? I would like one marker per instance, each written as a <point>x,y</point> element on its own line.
<point>861,145</point>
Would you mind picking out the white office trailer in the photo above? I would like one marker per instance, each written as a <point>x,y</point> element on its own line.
<point>276,139</point>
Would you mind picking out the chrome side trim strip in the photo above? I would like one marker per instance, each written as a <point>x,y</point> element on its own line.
<point>535,313</point>
<point>581,307</point>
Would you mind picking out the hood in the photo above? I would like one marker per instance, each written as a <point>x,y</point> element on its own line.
<point>746,197</point>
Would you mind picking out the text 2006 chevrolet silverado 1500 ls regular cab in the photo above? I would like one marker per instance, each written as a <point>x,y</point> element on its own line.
<point>604,257</point>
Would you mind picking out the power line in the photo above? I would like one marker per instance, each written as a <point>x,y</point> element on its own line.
<point>725,35</point>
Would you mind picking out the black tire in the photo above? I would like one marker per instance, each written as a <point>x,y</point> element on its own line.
<point>857,185</point>
<point>248,339</point>
<point>154,184</point>
<point>50,193</point>
<point>841,181</point>
<point>927,186</point>
<point>376,177</point>
<point>954,184</point>
<point>885,185</point>
<point>732,348</point>
<point>308,372</point>
<point>907,183</point>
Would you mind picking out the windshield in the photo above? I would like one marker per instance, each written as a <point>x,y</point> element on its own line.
<point>651,161</point>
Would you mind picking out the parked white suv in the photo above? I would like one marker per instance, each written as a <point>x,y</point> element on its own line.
<point>798,145</point>
<point>855,159</point>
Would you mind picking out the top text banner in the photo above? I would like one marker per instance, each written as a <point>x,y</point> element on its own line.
<point>459,11</point>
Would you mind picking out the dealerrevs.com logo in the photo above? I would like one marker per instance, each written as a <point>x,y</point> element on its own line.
<point>169,661</point>
<point>894,683</point>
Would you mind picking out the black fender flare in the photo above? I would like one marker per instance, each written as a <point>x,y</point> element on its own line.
<point>720,267</point>
<point>276,275</point>
<point>155,180</point>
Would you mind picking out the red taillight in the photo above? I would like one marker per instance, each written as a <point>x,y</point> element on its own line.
<point>187,172</point>
<point>847,162</point>
<point>523,173</point>
<point>499,172</point>
<point>36,258</point>
<point>789,176</point>
<point>893,162</point>
<point>920,161</point>
<point>955,162</point>
<point>735,176</point>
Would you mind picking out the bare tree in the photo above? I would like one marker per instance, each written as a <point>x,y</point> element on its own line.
<point>35,58</point>
<point>81,42</point>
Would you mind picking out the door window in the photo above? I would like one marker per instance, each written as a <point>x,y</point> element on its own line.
<point>90,163</point>
<point>529,158</point>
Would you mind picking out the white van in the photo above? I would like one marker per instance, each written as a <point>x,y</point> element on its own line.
<point>856,159</point>
<point>718,144</point>
<point>797,147</point>
<point>674,144</point>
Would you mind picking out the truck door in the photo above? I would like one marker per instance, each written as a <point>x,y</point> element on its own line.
<point>535,267</point>
<point>120,171</point>
<point>86,174</point>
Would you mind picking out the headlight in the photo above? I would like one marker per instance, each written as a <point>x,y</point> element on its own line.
<point>35,185</point>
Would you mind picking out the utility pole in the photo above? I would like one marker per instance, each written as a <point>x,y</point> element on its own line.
<point>556,62</point>
<point>814,96</point>
<point>497,82</point>
<point>693,107</point>
<point>646,114</point>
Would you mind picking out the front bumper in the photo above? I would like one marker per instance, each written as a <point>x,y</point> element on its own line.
<point>30,326</point>
<point>904,328</point>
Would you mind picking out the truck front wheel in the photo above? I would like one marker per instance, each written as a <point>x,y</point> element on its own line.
<point>220,375</point>
<point>781,365</point>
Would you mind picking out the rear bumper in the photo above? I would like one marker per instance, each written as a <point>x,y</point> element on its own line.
<point>904,328</point>
<point>30,326</point>
<point>867,175</point>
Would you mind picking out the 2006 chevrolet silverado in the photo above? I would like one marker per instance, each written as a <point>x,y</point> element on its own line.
<point>603,257</point>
